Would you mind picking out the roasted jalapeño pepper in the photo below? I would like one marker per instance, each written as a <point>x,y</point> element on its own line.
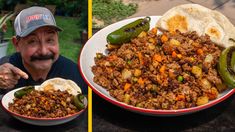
<point>78,101</point>
<point>20,93</point>
<point>129,31</point>
<point>226,66</point>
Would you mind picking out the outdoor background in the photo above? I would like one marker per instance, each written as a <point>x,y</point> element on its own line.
<point>70,15</point>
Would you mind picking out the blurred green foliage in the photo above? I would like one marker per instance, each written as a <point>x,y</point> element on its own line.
<point>111,11</point>
<point>63,7</point>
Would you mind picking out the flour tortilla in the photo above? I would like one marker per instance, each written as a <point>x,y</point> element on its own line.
<point>62,85</point>
<point>194,17</point>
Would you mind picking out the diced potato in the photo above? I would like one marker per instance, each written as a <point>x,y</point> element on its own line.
<point>107,63</point>
<point>152,40</point>
<point>179,56</point>
<point>209,58</point>
<point>195,44</point>
<point>151,46</point>
<point>126,74</point>
<point>139,105</point>
<point>205,84</point>
<point>197,71</point>
<point>142,34</point>
<point>202,100</point>
<point>127,98</point>
<point>174,42</point>
<point>137,72</point>
<point>134,79</point>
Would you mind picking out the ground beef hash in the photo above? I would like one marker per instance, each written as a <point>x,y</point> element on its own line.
<point>44,104</point>
<point>167,71</point>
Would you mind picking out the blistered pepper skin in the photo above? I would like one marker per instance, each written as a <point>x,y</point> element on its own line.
<point>129,31</point>
<point>78,101</point>
<point>20,93</point>
<point>226,66</point>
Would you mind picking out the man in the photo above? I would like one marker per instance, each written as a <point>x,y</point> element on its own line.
<point>37,58</point>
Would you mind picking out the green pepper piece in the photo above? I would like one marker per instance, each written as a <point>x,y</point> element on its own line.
<point>129,31</point>
<point>78,99</point>
<point>226,66</point>
<point>20,93</point>
<point>180,78</point>
<point>81,97</point>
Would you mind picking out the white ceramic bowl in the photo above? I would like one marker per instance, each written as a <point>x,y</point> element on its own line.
<point>97,44</point>
<point>8,98</point>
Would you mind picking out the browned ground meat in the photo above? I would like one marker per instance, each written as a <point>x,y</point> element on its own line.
<point>167,71</point>
<point>49,104</point>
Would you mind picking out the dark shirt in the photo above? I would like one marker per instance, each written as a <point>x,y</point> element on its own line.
<point>62,67</point>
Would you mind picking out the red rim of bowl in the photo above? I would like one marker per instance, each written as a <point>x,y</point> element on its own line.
<point>152,111</point>
<point>43,119</point>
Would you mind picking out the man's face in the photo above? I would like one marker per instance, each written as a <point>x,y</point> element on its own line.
<point>40,49</point>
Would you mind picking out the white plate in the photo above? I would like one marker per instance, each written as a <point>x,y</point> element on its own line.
<point>8,98</point>
<point>97,44</point>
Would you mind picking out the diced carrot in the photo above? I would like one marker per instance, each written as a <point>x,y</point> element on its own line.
<point>164,38</point>
<point>140,56</point>
<point>200,52</point>
<point>112,57</point>
<point>162,69</point>
<point>173,54</point>
<point>127,86</point>
<point>109,70</point>
<point>154,30</point>
<point>172,73</point>
<point>141,81</point>
<point>180,97</point>
<point>157,57</point>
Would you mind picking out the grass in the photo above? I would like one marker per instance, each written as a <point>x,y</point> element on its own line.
<point>110,11</point>
<point>68,46</point>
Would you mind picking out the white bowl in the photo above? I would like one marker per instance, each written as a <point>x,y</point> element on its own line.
<point>97,43</point>
<point>8,98</point>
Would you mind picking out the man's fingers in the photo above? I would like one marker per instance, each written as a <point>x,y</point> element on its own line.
<point>19,72</point>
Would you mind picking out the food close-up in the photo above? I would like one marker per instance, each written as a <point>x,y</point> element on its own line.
<point>168,63</point>
<point>171,65</point>
<point>55,99</point>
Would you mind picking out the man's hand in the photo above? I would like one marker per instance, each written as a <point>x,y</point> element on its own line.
<point>9,75</point>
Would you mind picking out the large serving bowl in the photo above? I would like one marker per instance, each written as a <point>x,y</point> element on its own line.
<point>97,44</point>
<point>8,98</point>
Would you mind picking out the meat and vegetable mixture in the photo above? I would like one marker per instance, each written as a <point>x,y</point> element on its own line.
<point>44,104</point>
<point>167,71</point>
